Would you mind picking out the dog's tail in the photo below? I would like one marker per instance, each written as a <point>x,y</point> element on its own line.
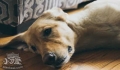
<point>5,41</point>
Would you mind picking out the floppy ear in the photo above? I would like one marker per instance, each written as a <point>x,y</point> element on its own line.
<point>55,13</point>
<point>12,41</point>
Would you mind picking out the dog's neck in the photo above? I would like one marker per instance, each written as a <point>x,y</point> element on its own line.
<point>76,23</point>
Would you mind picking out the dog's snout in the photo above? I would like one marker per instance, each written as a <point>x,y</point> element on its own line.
<point>52,59</point>
<point>49,58</point>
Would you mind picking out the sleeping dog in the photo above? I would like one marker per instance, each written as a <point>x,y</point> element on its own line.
<point>57,35</point>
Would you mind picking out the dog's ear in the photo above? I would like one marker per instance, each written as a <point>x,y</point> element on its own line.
<point>55,13</point>
<point>12,40</point>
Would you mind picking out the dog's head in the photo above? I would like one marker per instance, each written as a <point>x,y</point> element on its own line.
<point>51,36</point>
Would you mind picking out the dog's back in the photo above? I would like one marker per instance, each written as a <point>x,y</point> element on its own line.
<point>100,21</point>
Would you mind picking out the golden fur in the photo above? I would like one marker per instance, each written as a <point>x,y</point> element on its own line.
<point>98,25</point>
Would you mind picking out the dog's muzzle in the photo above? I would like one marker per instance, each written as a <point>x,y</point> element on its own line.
<point>52,59</point>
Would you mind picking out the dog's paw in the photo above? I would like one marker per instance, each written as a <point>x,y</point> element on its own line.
<point>23,47</point>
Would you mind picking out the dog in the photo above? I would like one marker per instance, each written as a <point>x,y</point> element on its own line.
<point>57,35</point>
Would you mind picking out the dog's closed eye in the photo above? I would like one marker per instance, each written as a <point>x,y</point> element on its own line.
<point>47,32</point>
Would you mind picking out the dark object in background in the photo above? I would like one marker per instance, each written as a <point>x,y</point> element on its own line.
<point>7,29</point>
<point>10,18</point>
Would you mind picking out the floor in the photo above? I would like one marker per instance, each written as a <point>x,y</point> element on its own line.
<point>107,59</point>
<point>99,59</point>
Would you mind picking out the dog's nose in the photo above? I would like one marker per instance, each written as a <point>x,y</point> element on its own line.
<point>49,58</point>
<point>59,61</point>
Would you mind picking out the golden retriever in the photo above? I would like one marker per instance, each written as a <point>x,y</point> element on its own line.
<point>56,35</point>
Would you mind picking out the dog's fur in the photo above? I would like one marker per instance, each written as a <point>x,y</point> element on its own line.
<point>97,25</point>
